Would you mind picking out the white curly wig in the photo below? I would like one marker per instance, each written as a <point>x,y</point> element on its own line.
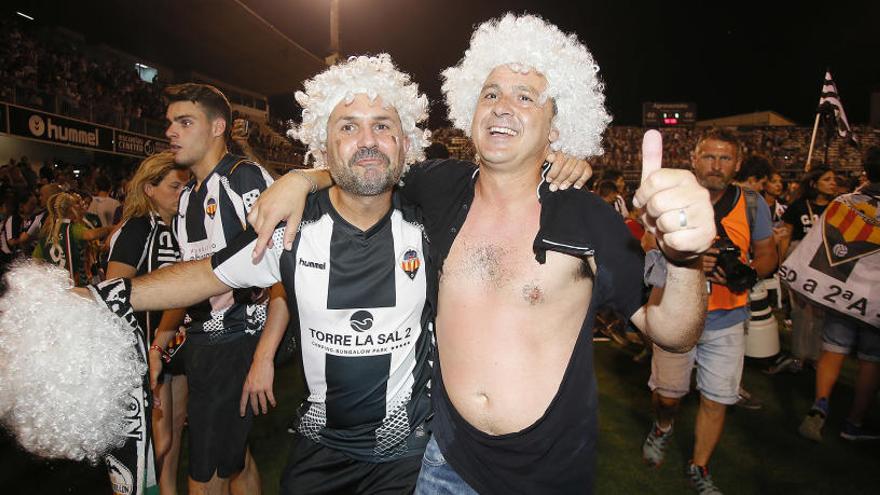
<point>374,77</point>
<point>527,43</point>
<point>67,367</point>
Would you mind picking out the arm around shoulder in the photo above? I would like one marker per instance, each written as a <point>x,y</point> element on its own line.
<point>176,286</point>
<point>284,200</point>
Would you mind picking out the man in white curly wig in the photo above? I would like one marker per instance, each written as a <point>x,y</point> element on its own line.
<point>523,274</point>
<point>524,268</point>
<point>356,279</point>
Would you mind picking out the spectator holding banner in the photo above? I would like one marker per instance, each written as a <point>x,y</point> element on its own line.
<point>838,266</point>
<point>817,188</point>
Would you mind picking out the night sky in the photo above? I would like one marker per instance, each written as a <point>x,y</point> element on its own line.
<point>731,58</point>
<point>740,57</point>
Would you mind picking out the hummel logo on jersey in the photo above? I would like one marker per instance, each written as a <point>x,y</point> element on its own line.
<point>361,321</point>
<point>312,264</point>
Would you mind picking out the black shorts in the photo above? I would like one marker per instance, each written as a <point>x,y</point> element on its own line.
<point>314,469</point>
<point>177,365</point>
<point>218,436</point>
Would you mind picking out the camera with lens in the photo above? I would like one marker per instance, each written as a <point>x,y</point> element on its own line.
<point>740,276</point>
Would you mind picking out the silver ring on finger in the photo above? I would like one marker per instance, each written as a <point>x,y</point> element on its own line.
<point>682,218</point>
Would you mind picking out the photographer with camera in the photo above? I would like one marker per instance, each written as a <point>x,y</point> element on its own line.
<point>720,351</point>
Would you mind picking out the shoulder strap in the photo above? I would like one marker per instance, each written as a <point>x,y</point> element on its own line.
<point>148,246</point>
<point>751,206</point>
<point>724,206</point>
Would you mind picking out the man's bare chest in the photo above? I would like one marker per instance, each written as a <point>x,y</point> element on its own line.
<point>499,263</point>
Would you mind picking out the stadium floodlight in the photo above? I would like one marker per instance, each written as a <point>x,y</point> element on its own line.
<point>30,18</point>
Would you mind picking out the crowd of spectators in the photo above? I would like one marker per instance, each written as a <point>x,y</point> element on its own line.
<point>40,69</point>
<point>57,72</point>
<point>786,148</point>
<point>271,143</point>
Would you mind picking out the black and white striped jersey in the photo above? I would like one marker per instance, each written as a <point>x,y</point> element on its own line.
<point>145,243</point>
<point>363,325</point>
<point>12,227</point>
<point>208,218</point>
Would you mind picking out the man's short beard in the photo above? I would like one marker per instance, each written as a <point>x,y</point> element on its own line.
<point>360,186</point>
<point>726,183</point>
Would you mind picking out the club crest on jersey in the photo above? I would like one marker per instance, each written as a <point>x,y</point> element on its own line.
<point>211,207</point>
<point>410,263</point>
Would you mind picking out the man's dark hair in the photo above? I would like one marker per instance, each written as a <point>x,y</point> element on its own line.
<point>611,174</point>
<point>754,166</point>
<point>102,183</point>
<point>436,150</point>
<point>721,134</point>
<point>872,164</point>
<point>210,98</point>
<point>606,188</point>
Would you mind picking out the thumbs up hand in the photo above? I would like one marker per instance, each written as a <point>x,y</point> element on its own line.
<point>677,209</point>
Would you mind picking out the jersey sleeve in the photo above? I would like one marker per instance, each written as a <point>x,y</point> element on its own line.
<point>763,227</point>
<point>235,267</point>
<point>623,260</point>
<point>129,242</point>
<point>579,223</point>
<point>249,180</point>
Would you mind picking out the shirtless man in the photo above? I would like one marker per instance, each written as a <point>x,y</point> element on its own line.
<point>517,276</point>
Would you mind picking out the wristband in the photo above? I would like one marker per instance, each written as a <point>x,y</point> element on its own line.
<point>312,185</point>
<point>164,354</point>
<point>680,263</point>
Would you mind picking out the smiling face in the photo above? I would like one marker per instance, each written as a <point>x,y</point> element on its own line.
<point>191,132</point>
<point>511,123</point>
<point>366,146</point>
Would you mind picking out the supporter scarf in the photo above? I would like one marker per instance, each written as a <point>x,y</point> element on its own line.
<point>132,467</point>
<point>837,265</point>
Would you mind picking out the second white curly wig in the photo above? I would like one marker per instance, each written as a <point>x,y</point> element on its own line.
<point>374,77</point>
<point>529,42</point>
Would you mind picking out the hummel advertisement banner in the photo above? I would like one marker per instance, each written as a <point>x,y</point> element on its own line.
<point>33,124</point>
<point>138,144</point>
<point>55,129</point>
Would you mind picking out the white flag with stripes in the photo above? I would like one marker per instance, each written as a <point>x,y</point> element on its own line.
<point>829,101</point>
